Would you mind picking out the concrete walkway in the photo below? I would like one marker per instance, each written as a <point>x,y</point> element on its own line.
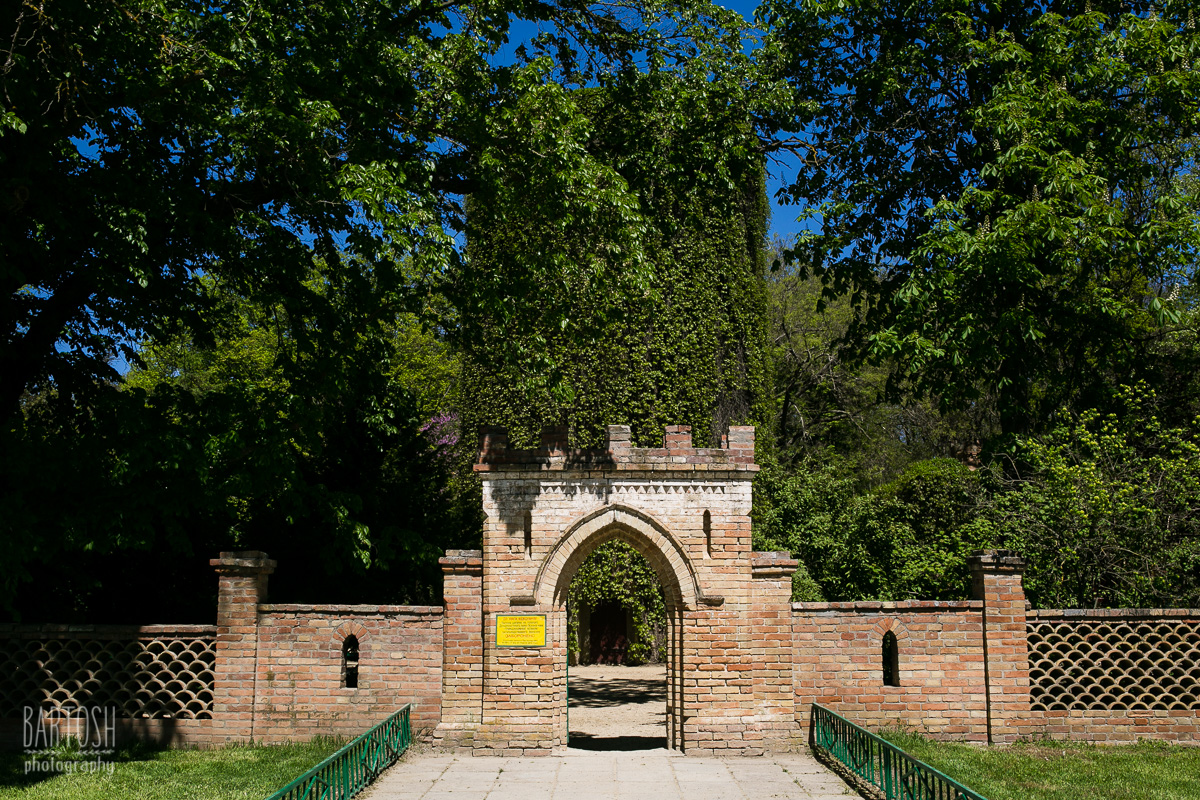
<point>622,775</point>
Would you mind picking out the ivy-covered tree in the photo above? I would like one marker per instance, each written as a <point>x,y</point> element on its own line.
<point>690,346</point>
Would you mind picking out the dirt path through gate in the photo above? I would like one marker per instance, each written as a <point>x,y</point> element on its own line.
<point>618,708</point>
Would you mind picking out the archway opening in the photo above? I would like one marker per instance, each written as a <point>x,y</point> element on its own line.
<point>617,651</point>
<point>624,613</point>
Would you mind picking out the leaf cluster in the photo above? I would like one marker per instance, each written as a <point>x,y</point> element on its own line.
<point>617,573</point>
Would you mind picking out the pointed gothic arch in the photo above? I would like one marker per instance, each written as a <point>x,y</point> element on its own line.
<point>645,534</point>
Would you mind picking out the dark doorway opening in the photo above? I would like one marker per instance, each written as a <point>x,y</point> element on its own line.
<point>605,630</point>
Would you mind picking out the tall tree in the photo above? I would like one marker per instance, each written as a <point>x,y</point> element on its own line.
<point>1008,186</point>
<point>310,160</point>
<point>148,142</point>
<point>324,458</point>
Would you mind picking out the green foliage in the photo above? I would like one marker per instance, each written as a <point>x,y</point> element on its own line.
<point>148,143</point>
<point>617,573</point>
<point>831,405</point>
<point>1105,510</point>
<point>1009,189</point>
<point>320,457</point>
<point>1001,207</point>
<point>687,349</point>
<point>907,539</point>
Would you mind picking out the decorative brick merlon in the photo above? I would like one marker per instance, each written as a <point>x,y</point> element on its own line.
<point>677,453</point>
<point>741,437</point>
<point>462,562</point>
<point>772,564</point>
<point>554,439</point>
<point>996,562</point>
<point>678,439</point>
<point>246,562</point>
<point>619,439</point>
<point>493,441</point>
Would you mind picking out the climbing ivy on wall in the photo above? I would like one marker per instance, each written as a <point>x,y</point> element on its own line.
<point>617,573</point>
<point>686,346</point>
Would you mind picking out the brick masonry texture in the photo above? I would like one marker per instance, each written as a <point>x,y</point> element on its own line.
<point>744,663</point>
<point>838,657</point>
<point>300,681</point>
<point>687,510</point>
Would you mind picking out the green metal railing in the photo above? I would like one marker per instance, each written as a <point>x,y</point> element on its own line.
<point>879,762</point>
<point>348,771</point>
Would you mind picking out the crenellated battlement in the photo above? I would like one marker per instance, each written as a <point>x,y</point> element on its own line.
<point>736,453</point>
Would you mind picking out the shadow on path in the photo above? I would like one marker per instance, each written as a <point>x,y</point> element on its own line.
<point>616,691</point>
<point>616,708</point>
<point>585,741</point>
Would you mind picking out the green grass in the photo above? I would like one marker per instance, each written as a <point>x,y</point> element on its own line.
<point>139,772</point>
<point>1048,770</point>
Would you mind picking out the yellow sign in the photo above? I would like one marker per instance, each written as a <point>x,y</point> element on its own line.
<point>526,630</point>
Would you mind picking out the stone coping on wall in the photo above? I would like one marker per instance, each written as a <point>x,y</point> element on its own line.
<point>876,606</point>
<point>349,610</point>
<point>1040,614</point>
<point>677,455</point>
<point>16,630</point>
<point>772,564</point>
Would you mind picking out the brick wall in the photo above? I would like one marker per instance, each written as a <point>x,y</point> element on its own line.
<point>838,656</point>
<point>300,689</point>
<point>744,664</point>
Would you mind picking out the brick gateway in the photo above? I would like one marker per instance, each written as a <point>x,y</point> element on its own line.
<point>743,663</point>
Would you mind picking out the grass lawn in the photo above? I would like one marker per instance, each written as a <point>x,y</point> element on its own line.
<point>1049,770</point>
<point>142,773</point>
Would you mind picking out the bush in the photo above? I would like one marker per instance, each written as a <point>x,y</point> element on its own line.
<point>909,538</point>
<point>1106,509</point>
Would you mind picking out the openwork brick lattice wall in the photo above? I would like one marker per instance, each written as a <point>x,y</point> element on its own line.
<point>149,672</point>
<point>1114,660</point>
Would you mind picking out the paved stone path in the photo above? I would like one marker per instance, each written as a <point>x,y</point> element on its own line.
<point>622,775</point>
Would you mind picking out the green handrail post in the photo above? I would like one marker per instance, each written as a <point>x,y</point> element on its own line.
<point>352,768</point>
<point>880,763</point>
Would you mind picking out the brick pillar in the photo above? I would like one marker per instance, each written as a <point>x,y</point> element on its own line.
<point>242,586</point>
<point>462,648</point>
<point>771,649</point>
<point>996,580</point>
